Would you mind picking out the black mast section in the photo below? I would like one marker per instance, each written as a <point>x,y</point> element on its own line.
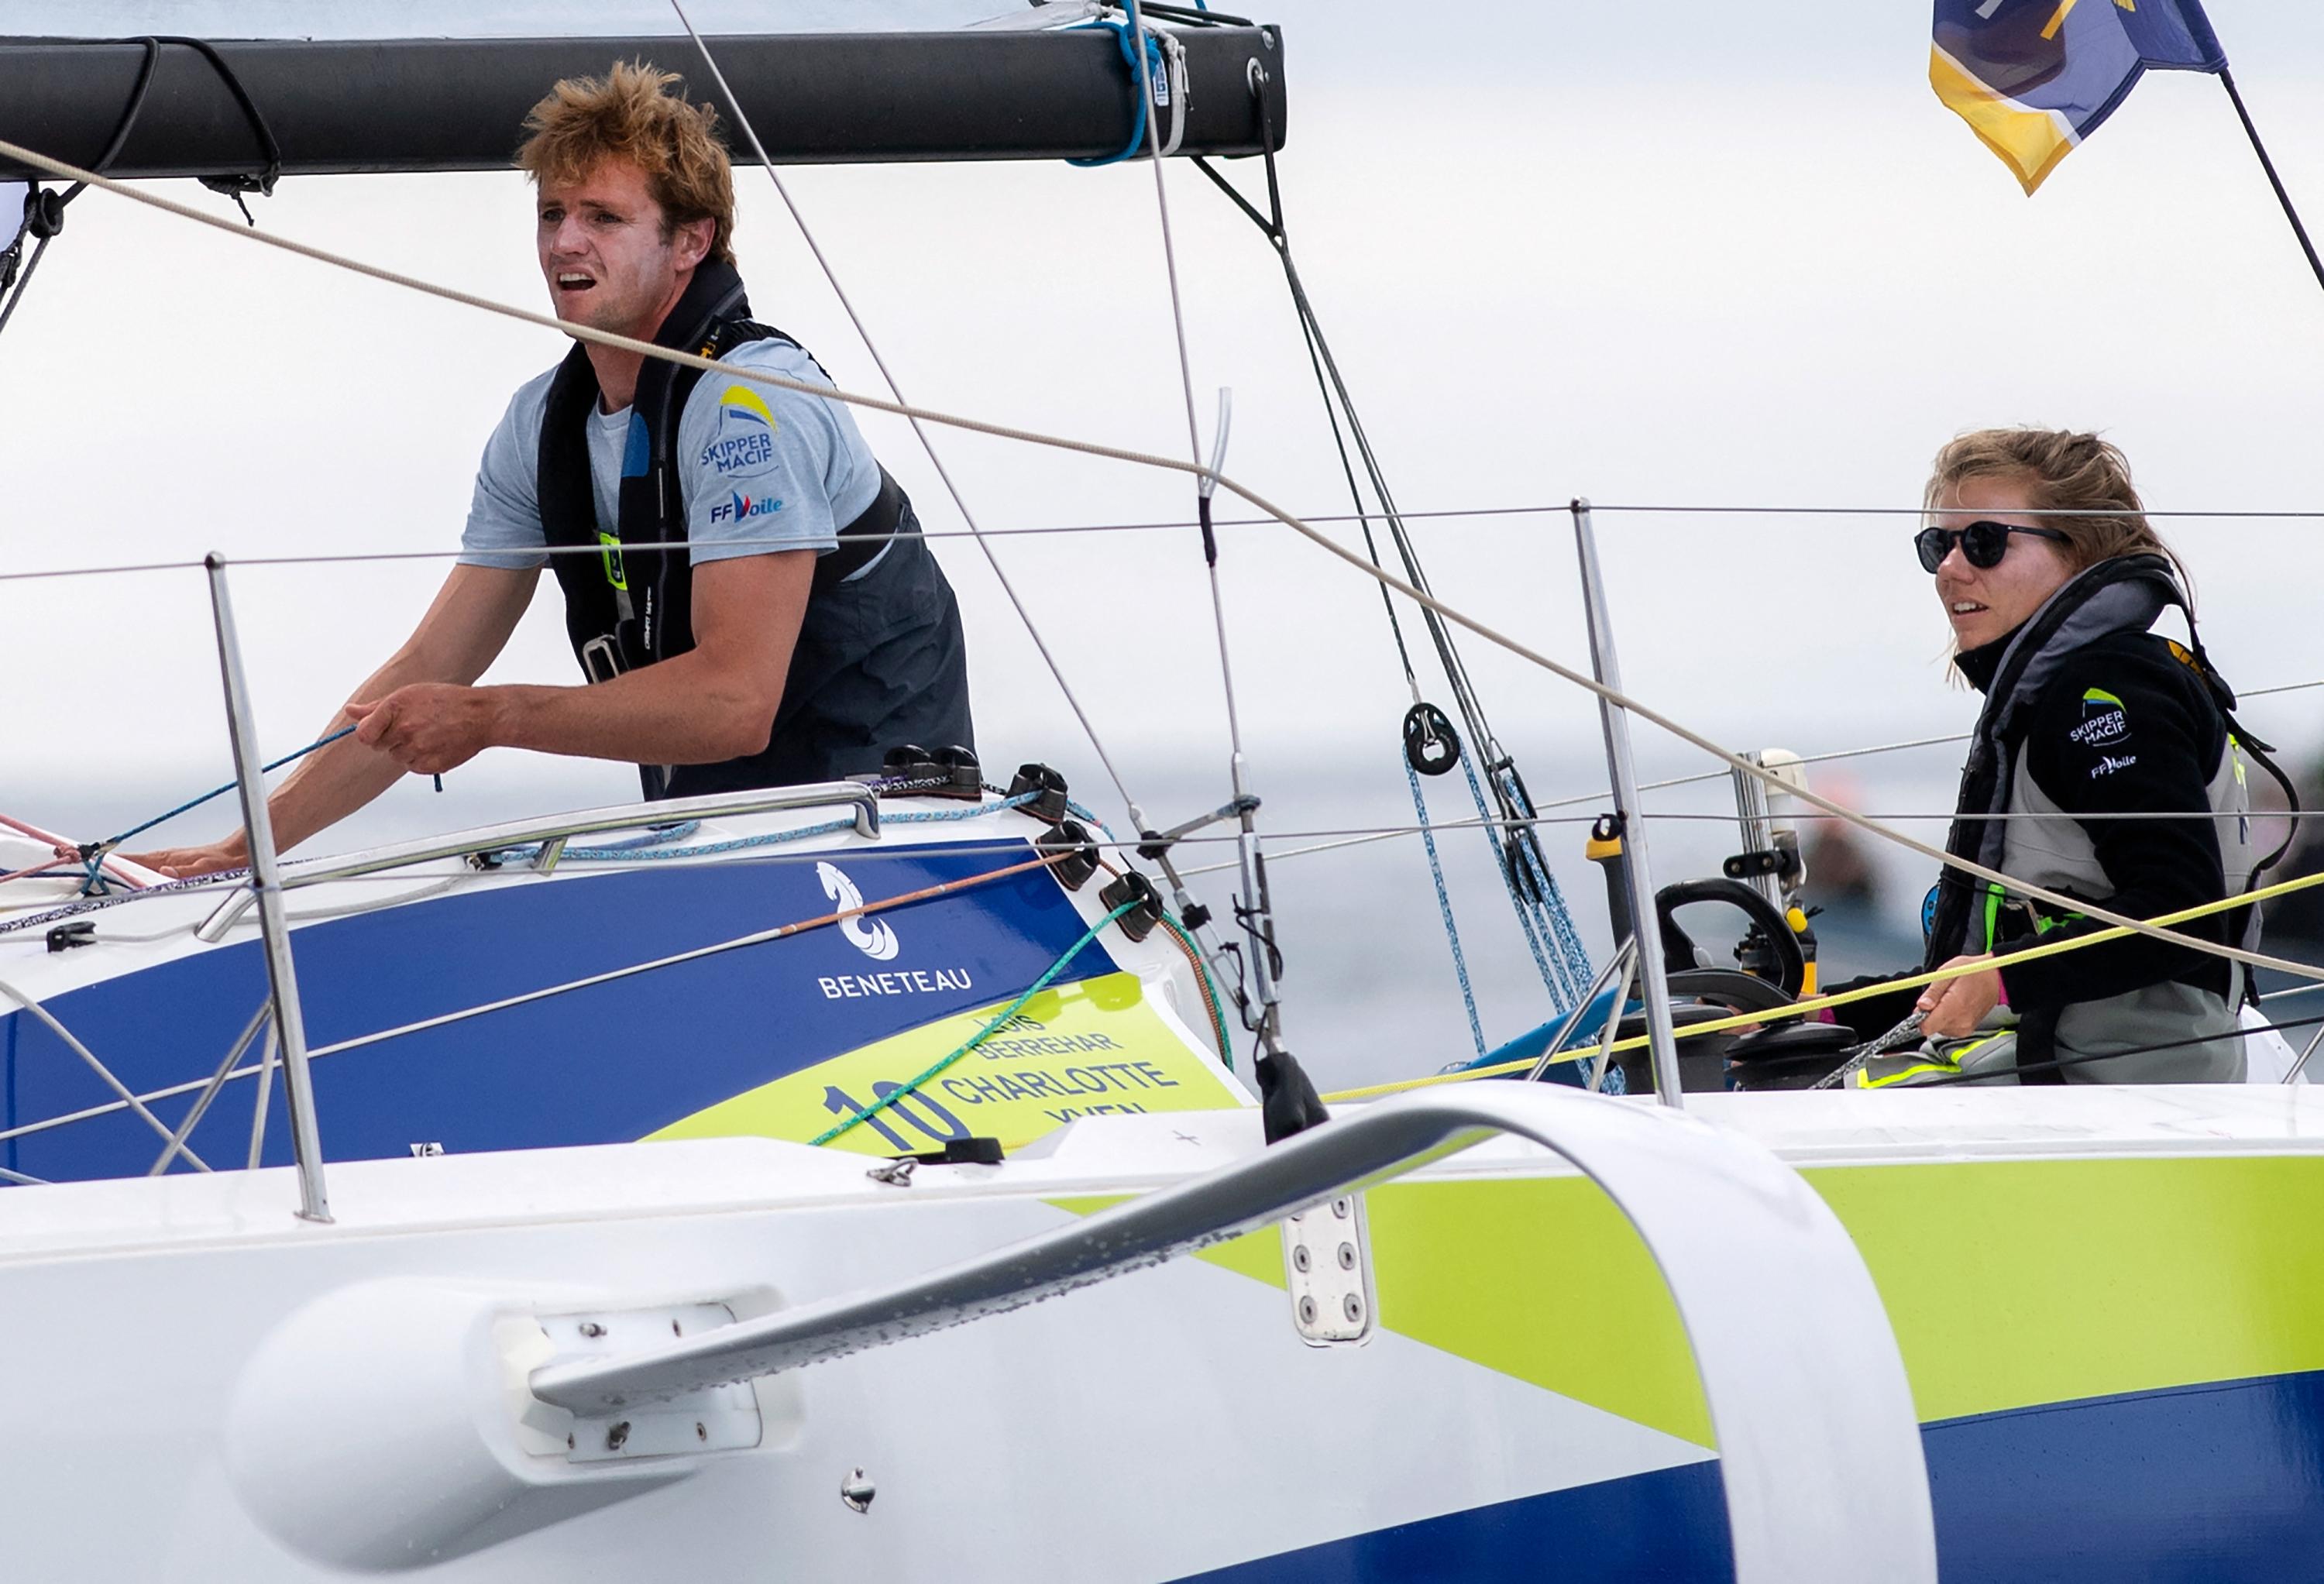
<point>418,104</point>
<point>2234,97</point>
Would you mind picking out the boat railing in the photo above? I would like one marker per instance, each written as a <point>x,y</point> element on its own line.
<point>548,833</point>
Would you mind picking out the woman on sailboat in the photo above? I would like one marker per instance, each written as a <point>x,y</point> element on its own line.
<point>2106,765</point>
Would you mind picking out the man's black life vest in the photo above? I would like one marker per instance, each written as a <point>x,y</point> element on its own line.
<point>634,599</point>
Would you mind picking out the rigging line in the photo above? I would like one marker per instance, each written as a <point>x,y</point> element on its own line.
<point>1145,84</point>
<point>8,308</point>
<point>1542,913</point>
<point>1329,382</point>
<point>944,474</point>
<point>1310,334</point>
<point>1363,518</point>
<point>1525,869</point>
<point>51,219</point>
<point>1169,244</point>
<point>1588,683</point>
<point>194,803</point>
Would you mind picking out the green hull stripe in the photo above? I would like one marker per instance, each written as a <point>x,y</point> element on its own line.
<point>2016,1282</point>
<point>1541,1278</point>
<point>2011,1284</point>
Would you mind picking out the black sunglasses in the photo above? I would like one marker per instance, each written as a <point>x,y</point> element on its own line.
<point>1983,544</point>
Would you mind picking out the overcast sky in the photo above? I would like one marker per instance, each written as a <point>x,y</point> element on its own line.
<point>1696,254</point>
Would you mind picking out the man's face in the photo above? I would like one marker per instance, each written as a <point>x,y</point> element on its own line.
<point>603,254</point>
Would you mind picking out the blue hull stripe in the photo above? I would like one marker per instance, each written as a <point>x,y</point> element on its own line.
<point>2209,1483</point>
<point>2218,1484</point>
<point>601,1065</point>
<point>1669,1527</point>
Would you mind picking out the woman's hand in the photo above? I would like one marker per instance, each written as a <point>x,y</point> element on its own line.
<point>1954,1007</point>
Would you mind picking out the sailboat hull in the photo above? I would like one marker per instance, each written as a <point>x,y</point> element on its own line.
<point>2103,1299</point>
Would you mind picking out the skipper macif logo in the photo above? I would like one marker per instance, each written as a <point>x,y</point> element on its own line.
<point>743,508</point>
<point>2104,721</point>
<point>745,443</point>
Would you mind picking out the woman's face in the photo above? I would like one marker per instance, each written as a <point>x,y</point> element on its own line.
<point>1987,603</point>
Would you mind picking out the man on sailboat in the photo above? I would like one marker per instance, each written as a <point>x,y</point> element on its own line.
<point>802,630</point>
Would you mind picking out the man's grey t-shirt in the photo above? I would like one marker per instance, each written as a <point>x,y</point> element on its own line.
<point>759,469</point>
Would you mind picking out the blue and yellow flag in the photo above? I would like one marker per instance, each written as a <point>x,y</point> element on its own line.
<point>2034,78</point>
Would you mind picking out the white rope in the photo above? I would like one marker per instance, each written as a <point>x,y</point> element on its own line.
<point>1032,629</point>
<point>1591,684</point>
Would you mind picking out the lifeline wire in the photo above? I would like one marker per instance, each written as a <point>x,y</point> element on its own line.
<point>1032,629</point>
<point>1588,683</point>
<point>1040,530</point>
<point>1741,1020</point>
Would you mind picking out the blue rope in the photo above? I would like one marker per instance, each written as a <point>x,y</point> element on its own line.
<point>1558,954</point>
<point>1124,29</point>
<point>1084,814</point>
<point>1573,958</point>
<point>1444,907</point>
<point>220,791</point>
<point>1516,899</point>
<point>95,882</point>
<point>966,811</point>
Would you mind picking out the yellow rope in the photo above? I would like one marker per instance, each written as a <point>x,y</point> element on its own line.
<point>1843,998</point>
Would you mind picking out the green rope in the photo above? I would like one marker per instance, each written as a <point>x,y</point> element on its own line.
<point>906,1091</point>
<point>1210,988</point>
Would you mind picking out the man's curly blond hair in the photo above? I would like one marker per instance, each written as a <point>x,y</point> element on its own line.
<point>629,114</point>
